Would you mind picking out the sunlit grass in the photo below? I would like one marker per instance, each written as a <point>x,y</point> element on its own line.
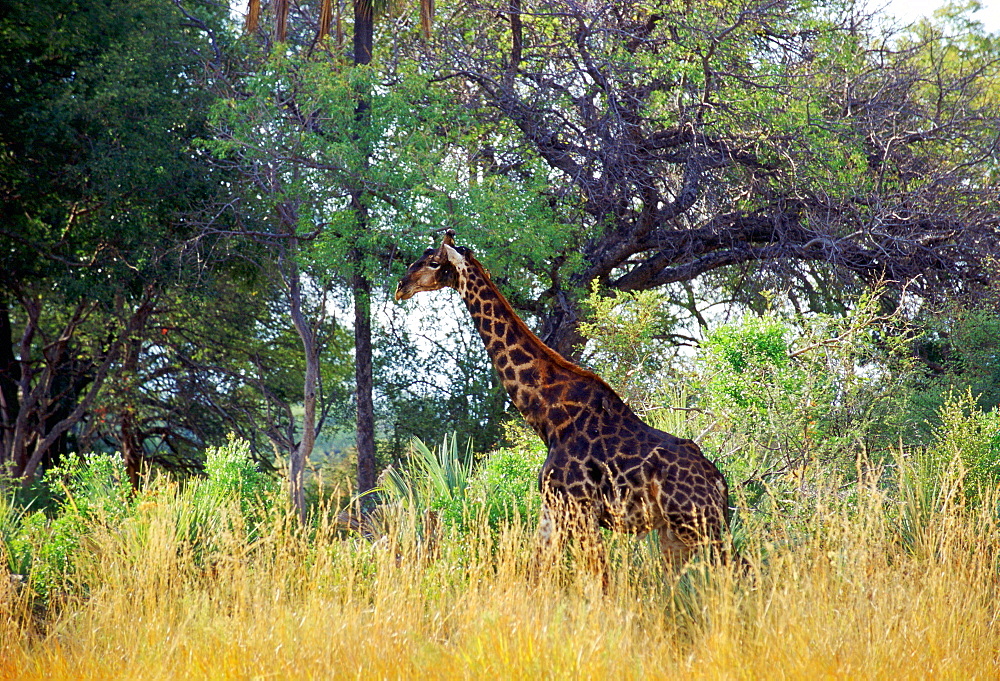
<point>840,595</point>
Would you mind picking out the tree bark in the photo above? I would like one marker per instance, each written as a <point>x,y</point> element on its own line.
<point>300,453</point>
<point>131,442</point>
<point>364,31</point>
<point>363,379</point>
<point>131,437</point>
<point>288,264</point>
<point>364,24</point>
<point>10,375</point>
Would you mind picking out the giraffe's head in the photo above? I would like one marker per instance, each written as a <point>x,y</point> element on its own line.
<point>435,269</point>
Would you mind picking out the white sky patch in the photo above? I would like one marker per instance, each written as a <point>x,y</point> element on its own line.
<point>908,11</point>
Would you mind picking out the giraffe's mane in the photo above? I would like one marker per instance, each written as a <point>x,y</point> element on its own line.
<point>550,354</point>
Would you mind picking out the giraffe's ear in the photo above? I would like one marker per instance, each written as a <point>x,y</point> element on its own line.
<point>454,257</point>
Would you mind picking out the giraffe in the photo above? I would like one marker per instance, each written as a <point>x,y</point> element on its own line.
<point>605,466</point>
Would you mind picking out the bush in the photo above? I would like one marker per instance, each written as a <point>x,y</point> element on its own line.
<point>970,438</point>
<point>85,490</point>
<point>234,498</point>
<point>960,466</point>
<point>232,474</point>
<point>91,485</point>
<point>958,349</point>
<point>92,492</point>
<point>506,485</point>
<point>826,389</point>
<point>435,479</point>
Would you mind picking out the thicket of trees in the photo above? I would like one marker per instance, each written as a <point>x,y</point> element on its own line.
<point>201,210</point>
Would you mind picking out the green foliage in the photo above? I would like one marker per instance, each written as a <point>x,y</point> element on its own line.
<point>233,499</point>
<point>92,493</point>
<point>958,349</point>
<point>961,466</point>
<point>629,341</point>
<point>435,479</point>
<point>14,552</point>
<point>746,360</point>
<point>91,486</point>
<point>54,546</point>
<point>231,474</point>
<point>505,486</point>
<point>87,491</point>
<point>100,111</point>
<point>815,388</point>
<point>969,438</point>
<point>320,158</point>
<point>98,181</point>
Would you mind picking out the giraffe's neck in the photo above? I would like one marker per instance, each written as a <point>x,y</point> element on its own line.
<point>530,371</point>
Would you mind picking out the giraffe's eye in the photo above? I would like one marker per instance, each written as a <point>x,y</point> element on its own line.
<point>434,265</point>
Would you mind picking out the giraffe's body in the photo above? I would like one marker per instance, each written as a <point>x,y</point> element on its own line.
<point>605,465</point>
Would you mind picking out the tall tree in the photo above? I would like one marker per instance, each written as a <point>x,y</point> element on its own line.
<point>314,130</point>
<point>96,165</point>
<point>733,143</point>
<point>364,42</point>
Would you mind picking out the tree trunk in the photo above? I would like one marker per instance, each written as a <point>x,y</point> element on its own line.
<point>10,375</point>
<point>363,379</point>
<point>300,453</point>
<point>364,24</point>
<point>131,443</point>
<point>561,328</point>
<point>131,438</point>
<point>364,31</point>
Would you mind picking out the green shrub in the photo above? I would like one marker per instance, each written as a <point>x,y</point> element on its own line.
<point>232,474</point>
<point>819,389</point>
<point>750,366</point>
<point>970,438</point>
<point>435,479</point>
<point>45,550</point>
<point>506,485</point>
<point>85,490</point>
<point>503,485</point>
<point>15,552</point>
<point>958,348</point>
<point>91,485</point>
<point>234,497</point>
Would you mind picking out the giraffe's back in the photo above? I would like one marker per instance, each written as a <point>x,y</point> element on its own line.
<point>639,478</point>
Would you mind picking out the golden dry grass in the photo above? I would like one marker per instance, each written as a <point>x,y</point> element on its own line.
<point>837,596</point>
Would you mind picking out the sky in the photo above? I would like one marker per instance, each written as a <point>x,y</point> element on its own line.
<point>910,10</point>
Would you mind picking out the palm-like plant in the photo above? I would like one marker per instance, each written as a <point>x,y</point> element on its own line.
<point>438,476</point>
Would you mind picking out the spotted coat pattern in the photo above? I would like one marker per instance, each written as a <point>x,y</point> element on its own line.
<point>604,463</point>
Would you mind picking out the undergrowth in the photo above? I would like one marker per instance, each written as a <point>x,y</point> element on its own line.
<point>869,556</point>
<point>896,579</point>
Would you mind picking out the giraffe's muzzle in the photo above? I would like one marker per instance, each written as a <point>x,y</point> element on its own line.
<point>403,291</point>
<point>399,295</point>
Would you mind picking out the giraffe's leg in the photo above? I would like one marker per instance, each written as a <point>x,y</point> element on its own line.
<point>561,521</point>
<point>591,546</point>
<point>676,553</point>
<point>551,539</point>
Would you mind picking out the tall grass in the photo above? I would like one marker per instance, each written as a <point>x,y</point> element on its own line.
<point>842,593</point>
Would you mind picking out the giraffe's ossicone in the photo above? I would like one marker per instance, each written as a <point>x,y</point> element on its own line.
<point>605,466</point>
